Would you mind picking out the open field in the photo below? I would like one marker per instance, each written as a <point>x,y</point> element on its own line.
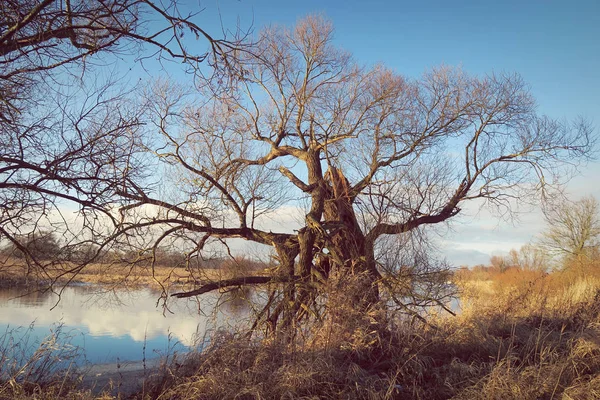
<point>14,272</point>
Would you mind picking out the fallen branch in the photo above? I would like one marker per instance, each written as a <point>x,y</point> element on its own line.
<point>245,280</point>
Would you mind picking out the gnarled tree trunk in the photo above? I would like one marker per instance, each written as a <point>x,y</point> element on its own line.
<point>349,252</point>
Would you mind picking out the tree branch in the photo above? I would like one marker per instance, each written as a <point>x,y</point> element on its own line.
<point>246,280</point>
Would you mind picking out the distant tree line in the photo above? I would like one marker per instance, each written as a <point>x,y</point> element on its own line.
<point>570,241</point>
<point>46,245</point>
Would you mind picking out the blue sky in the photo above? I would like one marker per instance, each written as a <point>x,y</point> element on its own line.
<point>553,45</point>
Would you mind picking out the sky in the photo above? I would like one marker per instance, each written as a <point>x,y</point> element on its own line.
<point>553,45</point>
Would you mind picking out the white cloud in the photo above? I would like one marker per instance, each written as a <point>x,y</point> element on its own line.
<point>284,219</point>
<point>476,231</point>
<point>137,317</point>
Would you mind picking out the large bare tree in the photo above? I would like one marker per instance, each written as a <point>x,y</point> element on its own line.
<point>69,129</point>
<point>290,120</point>
<point>373,154</point>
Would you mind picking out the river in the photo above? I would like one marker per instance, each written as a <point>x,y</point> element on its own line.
<point>105,327</point>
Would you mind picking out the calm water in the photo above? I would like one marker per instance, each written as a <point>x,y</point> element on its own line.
<point>127,326</point>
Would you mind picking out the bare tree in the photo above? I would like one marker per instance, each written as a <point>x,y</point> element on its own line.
<point>371,153</point>
<point>529,257</point>
<point>41,244</point>
<point>69,130</point>
<point>573,229</point>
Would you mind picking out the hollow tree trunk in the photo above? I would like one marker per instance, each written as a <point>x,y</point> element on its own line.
<point>350,254</point>
<point>331,224</point>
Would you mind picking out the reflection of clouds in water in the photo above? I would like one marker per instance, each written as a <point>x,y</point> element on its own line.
<point>118,314</point>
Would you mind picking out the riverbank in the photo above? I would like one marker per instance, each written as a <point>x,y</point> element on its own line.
<point>14,272</point>
<point>121,378</point>
<point>521,335</point>
<point>521,342</point>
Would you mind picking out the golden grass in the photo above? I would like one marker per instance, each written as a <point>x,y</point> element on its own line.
<point>15,272</point>
<point>546,329</point>
<point>536,338</point>
<point>521,335</point>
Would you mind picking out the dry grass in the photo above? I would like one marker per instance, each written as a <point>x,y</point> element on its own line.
<point>546,330</point>
<point>44,370</point>
<point>522,335</point>
<point>14,272</point>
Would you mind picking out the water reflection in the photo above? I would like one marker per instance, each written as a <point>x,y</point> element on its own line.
<point>127,324</point>
<point>237,301</point>
<point>24,299</point>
